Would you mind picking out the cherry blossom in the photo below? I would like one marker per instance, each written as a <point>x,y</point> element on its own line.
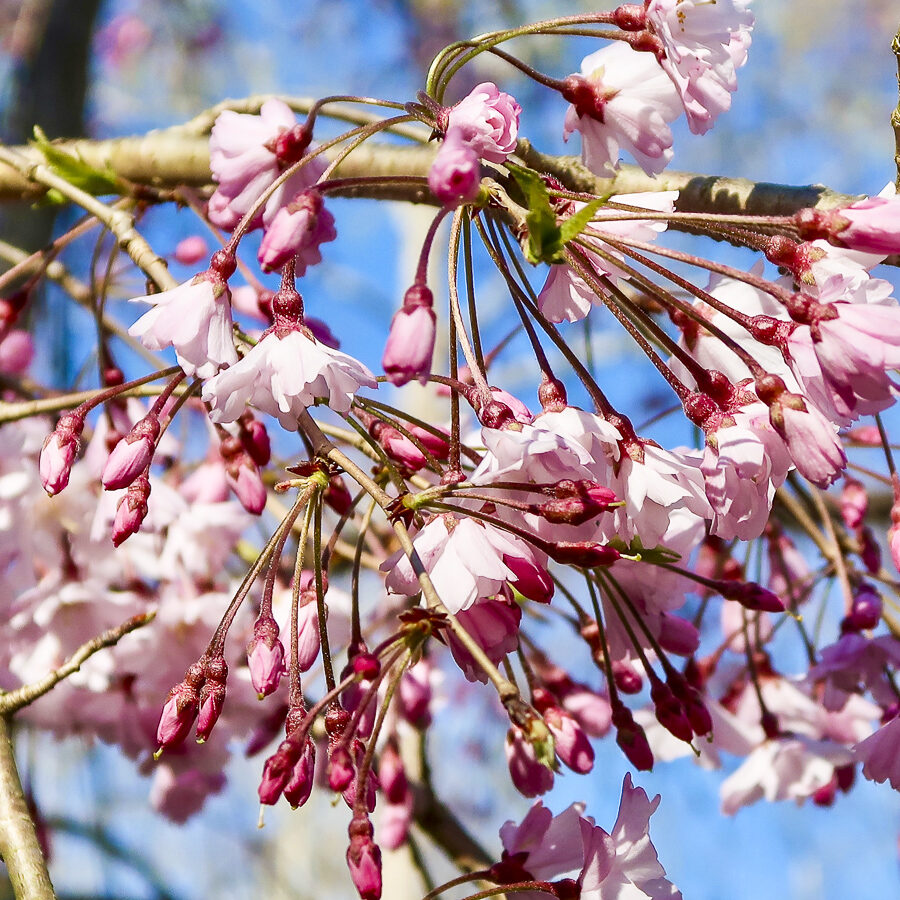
<point>622,101</point>
<point>284,374</point>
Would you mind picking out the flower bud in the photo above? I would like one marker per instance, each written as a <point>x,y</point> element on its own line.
<point>265,657</point>
<point>212,695</point>
<point>132,454</point>
<point>364,859</point>
<point>132,510</point>
<point>300,784</point>
<point>58,453</point>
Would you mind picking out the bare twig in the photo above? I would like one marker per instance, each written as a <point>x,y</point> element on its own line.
<point>14,700</point>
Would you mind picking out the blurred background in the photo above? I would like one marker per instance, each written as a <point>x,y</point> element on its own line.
<point>813,107</point>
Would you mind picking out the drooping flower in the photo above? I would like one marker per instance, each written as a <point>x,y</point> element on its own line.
<point>622,100</point>
<point>410,345</point>
<point>284,374</point>
<point>296,232</point>
<point>466,560</point>
<point>623,863</point>
<point>247,154</point>
<point>195,319</point>
<point>703,46</point>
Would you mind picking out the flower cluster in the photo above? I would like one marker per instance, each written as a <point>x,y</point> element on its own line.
<point>600,578</point>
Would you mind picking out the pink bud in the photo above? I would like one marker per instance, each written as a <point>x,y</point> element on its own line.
<point>340,768</point>
<point>678,635</point>
<point>455,174</point>
<point>309,639</point>
<point>865,612</point>
<point>854,503</point>
<point>132,510</point>
<point>410,344</point>
<point>572,744</point>
<point>437,446</point>
<point>398,447</point>
<point>392,774</point>
<point>628,680</point>
<point>870,551</point>
<point>692,701</point>
<point>246,482</point>
<point>589,709</point>
<point>58,453</point>
<point>255,439</point>
<point>670,713</point>
<point>191,250</point>
<point>414,695</point>
<point>180,709</point>
<point>394,822</point>
<point>212,695</point>
<point>364,859</point>
<point>16,352</point>
<point>277,771</point>
<point>132,455</point>
<point>300,785</point>
<point>265,657</point>
<point>297,231</point>
<point>585,554</point>
<point>530,777</point>
<point>631,739</point>
<point>750,595</point>
<point>532,581</point>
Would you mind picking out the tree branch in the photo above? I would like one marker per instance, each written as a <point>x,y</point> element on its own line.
<point>179,156</point>
<point>19,844</point>
<point>14,700</point>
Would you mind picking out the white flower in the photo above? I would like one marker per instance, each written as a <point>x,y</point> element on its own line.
<point>284,374</point>
<point>195,319</point>
<point>626,103</point>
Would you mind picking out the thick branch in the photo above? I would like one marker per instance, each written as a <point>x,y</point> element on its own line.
<point>176,156</point>
<point>18,840</point>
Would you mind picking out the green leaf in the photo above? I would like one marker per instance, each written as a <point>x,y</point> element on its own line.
<point>76,171</point>
<point>544,238</point>
<point>575,224</point>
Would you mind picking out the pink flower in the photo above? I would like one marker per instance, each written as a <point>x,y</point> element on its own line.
<point>789,768</point>
<point>494,626</point>
<point>410,345</point>
<point>195,319</point>
<point>296,232</point>
<point>247,154</point>
<point>552,844</point>
<point>854,503</point>
<point>622,101</point>
<point>487,121</point>
<point>880,754</point>
<point>529,776</point>
<point>284,374</point>
<point>455,174</point>
<point>871,225</point>
<point>624,863</point>
<point>465,558</point>
<point>704,44</point>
